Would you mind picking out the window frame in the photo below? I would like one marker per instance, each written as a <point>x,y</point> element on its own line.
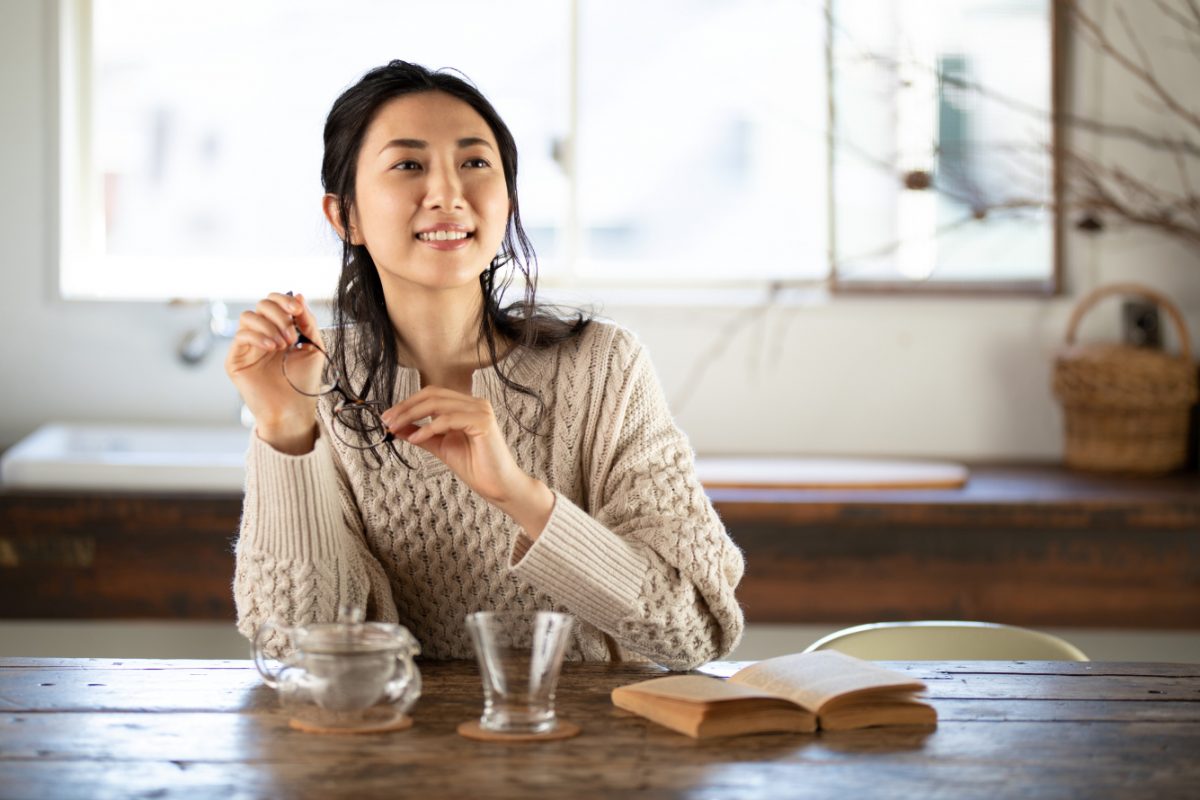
<point>69,55</point>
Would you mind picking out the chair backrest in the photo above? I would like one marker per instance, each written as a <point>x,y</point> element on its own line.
<point>939,640</point>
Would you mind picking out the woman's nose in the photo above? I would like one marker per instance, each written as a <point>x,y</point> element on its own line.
<point>443,189</point>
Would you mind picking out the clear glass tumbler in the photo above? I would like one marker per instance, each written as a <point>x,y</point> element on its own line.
<point>520,656</point>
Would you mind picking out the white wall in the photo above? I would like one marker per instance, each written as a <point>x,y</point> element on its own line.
<point>963,378</point>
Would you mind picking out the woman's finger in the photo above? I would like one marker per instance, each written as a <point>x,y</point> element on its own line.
<point>256,323</point>
<point>431,393</point>
<point>299,315</point>
<point>434,407</point>
<point>306,320</point>
<point>270,309</point>
<point>470,424</point>
<point>428,393</point>
<point>253,339</point>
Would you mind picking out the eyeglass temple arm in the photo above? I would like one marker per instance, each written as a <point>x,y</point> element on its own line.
<point>347,396</point>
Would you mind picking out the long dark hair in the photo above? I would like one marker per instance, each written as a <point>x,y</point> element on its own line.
<point>360,302</point>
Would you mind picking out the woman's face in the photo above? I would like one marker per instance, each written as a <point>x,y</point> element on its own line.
<point>431,203</point>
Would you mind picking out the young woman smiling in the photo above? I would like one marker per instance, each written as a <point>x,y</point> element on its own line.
<point>435,453</point>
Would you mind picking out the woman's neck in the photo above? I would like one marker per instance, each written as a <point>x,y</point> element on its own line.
<point>438,334</point>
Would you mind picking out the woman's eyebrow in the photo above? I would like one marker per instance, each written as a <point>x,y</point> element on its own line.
<point>421,144</point>
<point>412,144</point>
<point>471,141</point>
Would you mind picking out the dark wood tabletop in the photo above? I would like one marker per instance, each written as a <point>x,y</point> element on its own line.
<point>99,728</point>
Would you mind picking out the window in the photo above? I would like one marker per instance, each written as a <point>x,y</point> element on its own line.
<point>701,141</point>
<point>673,143</point>
<point>941,145</point>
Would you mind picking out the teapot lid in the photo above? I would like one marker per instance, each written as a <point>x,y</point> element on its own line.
<point>352,635</point>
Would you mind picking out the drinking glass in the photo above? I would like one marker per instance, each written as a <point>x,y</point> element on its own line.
<point>520,656</point>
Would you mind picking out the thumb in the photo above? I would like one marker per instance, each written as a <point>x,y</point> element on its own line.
<point>306,321</point>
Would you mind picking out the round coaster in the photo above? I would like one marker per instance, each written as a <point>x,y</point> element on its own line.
<point>383,723</point>
<point>471,729</point>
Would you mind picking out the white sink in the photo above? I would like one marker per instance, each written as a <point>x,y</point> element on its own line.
<point>129,457</point>
<point>211,458</point>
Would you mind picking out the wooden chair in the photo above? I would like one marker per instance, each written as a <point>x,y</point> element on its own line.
<point>939,640</point>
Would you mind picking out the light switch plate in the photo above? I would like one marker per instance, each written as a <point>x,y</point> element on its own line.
<point>1141,324</point>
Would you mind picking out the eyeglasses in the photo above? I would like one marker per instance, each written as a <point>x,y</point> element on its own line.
<point>356,422</point>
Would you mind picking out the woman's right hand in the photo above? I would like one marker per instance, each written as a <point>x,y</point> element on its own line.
<point>284,418</point>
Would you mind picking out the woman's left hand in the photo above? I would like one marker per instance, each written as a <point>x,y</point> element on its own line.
<point>462,431</point>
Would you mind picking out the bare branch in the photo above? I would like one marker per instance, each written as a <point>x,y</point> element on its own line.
<point>1179,17</point>
<point>1137,191</point>
<point>887,163</point>
<point>1120,197</point>
<point>1011,103</point>
<point>1135,134</point>
<point>1143,56</point>
<point>1094,191</point>
<point>1193,27</point>
<point>941,230</point>
<point>719,344</point>
<point>1191,199</point>
<point>1142,74</point>
<point>1130,133</point>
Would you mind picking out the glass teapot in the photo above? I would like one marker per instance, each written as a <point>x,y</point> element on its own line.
<point>344,675</point>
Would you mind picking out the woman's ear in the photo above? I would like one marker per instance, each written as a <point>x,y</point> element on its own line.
<point>331,204</point>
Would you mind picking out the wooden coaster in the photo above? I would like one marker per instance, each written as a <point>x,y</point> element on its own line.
<point>471,729</point>
<point>383,724</point>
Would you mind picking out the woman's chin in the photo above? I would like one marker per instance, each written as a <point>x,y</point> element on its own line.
<point>434,280</point>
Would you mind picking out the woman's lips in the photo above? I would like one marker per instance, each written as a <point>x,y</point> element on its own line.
<point>445,238</point>
<point>447,244</point>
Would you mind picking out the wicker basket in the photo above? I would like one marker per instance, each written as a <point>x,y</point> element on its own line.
<point>1126,408</point>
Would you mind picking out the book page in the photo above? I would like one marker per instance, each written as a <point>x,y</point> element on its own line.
<point>696,688</point>
<point>814,679</point>
<point>702,706</point>
<point>886,711</point>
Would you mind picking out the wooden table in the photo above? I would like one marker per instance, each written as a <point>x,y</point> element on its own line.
<point>110,728</point>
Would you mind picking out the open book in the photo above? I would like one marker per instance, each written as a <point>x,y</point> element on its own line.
<point>797,692</point>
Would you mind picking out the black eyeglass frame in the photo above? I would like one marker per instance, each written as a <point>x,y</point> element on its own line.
<point>349,401</point>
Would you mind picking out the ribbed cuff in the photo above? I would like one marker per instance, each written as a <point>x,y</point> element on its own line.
<point>294,500</point>
<point>584,566</point>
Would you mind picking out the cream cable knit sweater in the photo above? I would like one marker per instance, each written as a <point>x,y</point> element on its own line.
<point>633,547</point>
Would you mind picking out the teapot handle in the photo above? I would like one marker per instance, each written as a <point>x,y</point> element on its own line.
<point>405,688</point>
<point>260,636</point>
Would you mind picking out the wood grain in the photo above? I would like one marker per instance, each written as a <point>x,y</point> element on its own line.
<point>167,729</point>
<point>167,556</point>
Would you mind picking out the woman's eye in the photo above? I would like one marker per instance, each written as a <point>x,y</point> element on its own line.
<point>477,163</point>
<point>407,165</point>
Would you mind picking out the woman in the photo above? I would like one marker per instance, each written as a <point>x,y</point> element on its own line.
<point>520,461</point>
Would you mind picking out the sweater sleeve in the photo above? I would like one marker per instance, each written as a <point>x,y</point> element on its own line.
<point>649,563</point>
<point>301,554</point>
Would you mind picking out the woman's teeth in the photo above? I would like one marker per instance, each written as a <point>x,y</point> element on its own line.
<point>442,236</point>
